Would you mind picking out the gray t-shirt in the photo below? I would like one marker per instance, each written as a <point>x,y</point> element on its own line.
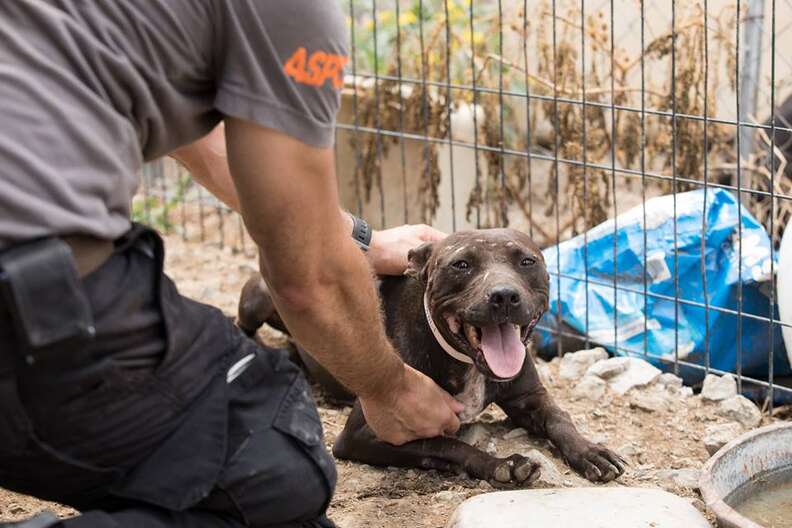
<point>89,90</point>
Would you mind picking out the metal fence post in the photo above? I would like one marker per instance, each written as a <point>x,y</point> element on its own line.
<point>751,64</point>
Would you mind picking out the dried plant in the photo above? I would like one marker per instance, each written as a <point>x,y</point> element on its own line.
<point>543,56</point>
<point>768,170</point>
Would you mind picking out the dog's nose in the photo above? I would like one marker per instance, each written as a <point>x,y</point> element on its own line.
<point>504,298</point>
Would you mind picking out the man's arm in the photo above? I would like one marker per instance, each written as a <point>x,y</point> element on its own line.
<point>207,161</point>
<point>321,283</point>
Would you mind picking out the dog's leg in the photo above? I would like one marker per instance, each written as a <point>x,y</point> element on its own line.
<point>358,443</point>
<point>256,307</point>
<point>529,405</point>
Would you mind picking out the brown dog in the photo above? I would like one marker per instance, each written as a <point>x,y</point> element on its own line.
<point>463,315</point>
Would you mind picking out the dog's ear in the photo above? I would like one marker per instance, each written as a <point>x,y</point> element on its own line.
<point>418,261</point>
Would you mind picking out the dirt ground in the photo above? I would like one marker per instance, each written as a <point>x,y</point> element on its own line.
<point>388,497</point>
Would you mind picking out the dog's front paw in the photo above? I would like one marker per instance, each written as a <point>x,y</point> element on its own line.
<point>596,463</point>
<point>515,470</point>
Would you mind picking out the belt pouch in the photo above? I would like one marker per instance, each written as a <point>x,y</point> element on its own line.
<point>44,294</point>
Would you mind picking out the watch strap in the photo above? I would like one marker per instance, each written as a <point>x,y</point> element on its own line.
<point>361,232</point>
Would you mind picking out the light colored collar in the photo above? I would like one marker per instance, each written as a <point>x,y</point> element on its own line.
<point>451,351</point>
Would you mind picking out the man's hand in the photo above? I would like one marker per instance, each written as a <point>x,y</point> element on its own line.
<point>415,408</point>
<point>388,249</point>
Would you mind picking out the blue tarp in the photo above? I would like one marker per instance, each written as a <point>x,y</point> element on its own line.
<point>652,324</point>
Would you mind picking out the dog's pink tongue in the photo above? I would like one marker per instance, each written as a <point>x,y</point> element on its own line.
<point>503,349</point>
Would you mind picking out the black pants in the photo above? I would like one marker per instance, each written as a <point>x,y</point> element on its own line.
<point>140,426</point>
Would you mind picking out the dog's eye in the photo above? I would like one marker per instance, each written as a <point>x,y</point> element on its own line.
<point>527,261</point>
<point>461,265</point>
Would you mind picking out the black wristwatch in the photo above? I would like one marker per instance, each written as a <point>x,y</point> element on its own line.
<point>361,232</point>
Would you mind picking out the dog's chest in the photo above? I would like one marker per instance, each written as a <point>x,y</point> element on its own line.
<point>472,396</point>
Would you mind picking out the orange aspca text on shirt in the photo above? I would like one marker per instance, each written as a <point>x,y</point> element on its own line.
<point>316,69</point>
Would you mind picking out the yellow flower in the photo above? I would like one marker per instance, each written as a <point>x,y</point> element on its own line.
<point>455,12</point>
<point>478,38</point>
<point>405,19</point>
<point>385,17</point>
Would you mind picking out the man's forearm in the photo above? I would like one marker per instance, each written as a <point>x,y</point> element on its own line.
<point>320,280</point>
<point>339,323</point>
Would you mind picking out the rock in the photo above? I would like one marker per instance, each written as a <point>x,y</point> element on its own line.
<point>491,449</point>
<point>699,505</point>
<point>718,435</point>
<point>590,387</point>
<point>247,270</point>
<point>649,402</point>
<point>684,392</point>
<point>575,364</point>
<point>681,478</point>
<point>208,293</point>
<point>484,485</point>
<point>637,373</point>
<point>670,380</point>
<point>629,451</point>
<point>545,372</point>
<point>475,434</point>
<point>717,388</point>
<point>549,474</point>
<point>614,507</point>
<point>515,433</point>
<point>740,409</point>
<point>487,417</point>
<point>446,496</point>
<point>608,368</point>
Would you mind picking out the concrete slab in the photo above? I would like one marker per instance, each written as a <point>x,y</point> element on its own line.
<point>578,508</point>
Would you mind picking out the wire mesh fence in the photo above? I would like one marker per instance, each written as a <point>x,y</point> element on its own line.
<point>171,202</point>
<point>553,117</point>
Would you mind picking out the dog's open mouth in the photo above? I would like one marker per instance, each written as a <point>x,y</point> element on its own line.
<point>501,345</point>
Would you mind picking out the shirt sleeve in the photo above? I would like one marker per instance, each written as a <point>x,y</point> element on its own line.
<point>280,64</point>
